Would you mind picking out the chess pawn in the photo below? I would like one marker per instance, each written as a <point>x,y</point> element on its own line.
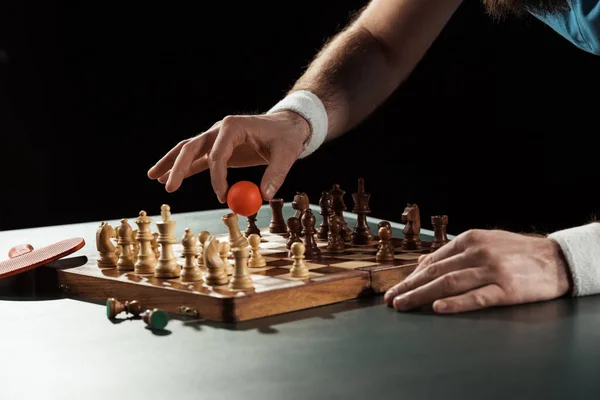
<point>241,277</point>
<point>216,270</point>
<point>385,224</point>
<point>155,319</point>
<point>294,230</point>
<point>325,212</point>
<point>202,238</point>
<point>114,307</point>
<point>108,257</point>
<point>236,239</point>
<point>154,244</point>
<point>335,241</point>
<point>440,236</point>
<point>277,224</point>
<point>167,266</point>
<point>256,259</point>
<point>299,268</point>
<point>146,260</point>
<point>224,254</point>
<point>308,230</point>
<point>135,246</point>
<point>190,271</point>
<point>125,262</point>
<point>118,247</point>
<point>252,228</point>
<point>385,251</point>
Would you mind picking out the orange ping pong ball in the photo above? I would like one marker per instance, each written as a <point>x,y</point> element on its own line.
<point>244,198</point>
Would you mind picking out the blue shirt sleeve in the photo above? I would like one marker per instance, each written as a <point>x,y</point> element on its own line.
<point>580,25</point>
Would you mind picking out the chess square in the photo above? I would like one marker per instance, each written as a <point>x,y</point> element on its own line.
<point>308,264</point>
<point>279,263</point>
<point>356,256</point>
<point>269,271</point>
<point>361,249</point>
<point>288,276</point>
<point>354,264</point>
<point>327,270</point>
<point>272,245</point>
<point>407,256</point>
<point>270,252</point>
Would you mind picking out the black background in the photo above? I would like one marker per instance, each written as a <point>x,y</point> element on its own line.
<point>494,127</point>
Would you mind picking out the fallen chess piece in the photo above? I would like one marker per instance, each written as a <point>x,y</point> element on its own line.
<point>155,319</point>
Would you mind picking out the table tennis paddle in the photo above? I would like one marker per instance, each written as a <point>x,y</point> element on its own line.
<point>24,257</point>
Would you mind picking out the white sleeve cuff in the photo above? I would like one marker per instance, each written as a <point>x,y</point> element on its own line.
<point>310,107</point>
<point>581,247</point>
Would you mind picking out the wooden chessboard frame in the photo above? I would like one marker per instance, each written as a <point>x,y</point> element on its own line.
<point>219,304</point>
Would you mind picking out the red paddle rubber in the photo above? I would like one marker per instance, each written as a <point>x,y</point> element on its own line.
<point>24,257</point>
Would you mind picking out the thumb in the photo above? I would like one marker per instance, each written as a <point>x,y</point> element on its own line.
<point>281,162</point>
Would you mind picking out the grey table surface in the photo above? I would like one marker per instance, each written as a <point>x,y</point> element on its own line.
<point>58,348</point>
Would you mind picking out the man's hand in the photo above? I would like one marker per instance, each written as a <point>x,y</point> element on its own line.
<point>482,268</point>
<point>275,140</point>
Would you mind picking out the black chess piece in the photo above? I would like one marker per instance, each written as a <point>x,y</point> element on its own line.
<point>385,252</point>
<point>325,212</point>
<point>277,224</point>
<point>294,230</point>
<point>440,236</point>
<point>338,206</point>
<point>308,233</point>
<point>362,234</point>
<point>335,241</point>
<point>252,228</point>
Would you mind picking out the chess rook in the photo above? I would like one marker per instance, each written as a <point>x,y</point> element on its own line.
<point>167,266</point>
<point>277,224</point>
<point>236,239</point>
<point>440,236</point>
<point>146,261</point>
<point>362,233</point>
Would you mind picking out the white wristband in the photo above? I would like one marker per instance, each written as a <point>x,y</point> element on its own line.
<point>310,107</point>
<point>581,247</point>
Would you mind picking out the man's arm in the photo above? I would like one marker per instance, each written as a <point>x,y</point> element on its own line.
<point>360,67</point>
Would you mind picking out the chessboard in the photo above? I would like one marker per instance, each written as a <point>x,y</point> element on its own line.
<point>240,275</point>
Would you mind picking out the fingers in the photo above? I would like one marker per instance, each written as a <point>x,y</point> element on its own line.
<point>190,152</point>
<point>231,135</point>
<point>476,299</point>
<point>281,162</point>
<point>165,163</point>
<point>448,250</point>
<point>451,284</point>
<point>197,167</point>
<point>428,274</point>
